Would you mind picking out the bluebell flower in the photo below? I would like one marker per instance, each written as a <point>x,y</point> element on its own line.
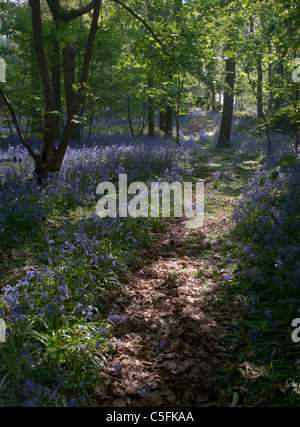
<point>145,390</point>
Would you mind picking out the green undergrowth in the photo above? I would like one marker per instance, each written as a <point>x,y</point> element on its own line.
<point>262,259</point>
<point>54,283</point>
<point>56,276</point>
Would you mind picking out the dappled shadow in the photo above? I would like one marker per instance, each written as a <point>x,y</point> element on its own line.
<point>173,349</point>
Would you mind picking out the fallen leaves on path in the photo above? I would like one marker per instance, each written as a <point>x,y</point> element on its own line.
<point>172,344</point>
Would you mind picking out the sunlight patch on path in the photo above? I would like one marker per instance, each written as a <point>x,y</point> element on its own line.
<point>173,339</point>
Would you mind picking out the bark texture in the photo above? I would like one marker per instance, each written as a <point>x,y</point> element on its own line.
<point>225,130</point>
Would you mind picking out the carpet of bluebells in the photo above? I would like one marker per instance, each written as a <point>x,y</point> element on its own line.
<point>58,327</point>
<point>266,236</point>
<point>57,335</point>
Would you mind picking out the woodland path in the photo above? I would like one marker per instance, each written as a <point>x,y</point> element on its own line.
<point>172,349</point>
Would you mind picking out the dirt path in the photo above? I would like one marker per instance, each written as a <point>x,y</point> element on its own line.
<point>172,348</point>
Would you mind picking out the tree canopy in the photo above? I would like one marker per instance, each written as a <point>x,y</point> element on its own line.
<point>135,58</point>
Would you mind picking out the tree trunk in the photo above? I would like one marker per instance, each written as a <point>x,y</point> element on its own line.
<point>296,107</point>
<point>69,80</point>
<point>151,107</point>
<point>162,121</point>
<point>213,98</point>
<point>278,73</point>
<point>50,159</point>
<point>151,110</point>
<point>225,130</point>
<point>48,151</point>
<point>35,87</point>
<point>78,98</point>
<point>56,78</point>
<point>129,115</point>
<point>169,121</point>
<point>211,85</point>
<point>259,87</point>
<point>270,78</point>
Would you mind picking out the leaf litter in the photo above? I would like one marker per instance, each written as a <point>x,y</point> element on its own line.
<point>174,339</point>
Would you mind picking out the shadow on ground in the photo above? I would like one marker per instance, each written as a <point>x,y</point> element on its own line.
<point>173,349</point>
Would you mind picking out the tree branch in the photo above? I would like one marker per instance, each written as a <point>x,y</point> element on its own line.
<point>30,150</point>
<point>61,14</point>
<point>144,22</point>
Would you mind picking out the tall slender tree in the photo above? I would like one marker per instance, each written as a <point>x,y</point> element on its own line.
<point>225,129</point>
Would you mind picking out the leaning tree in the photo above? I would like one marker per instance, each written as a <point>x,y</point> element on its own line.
<point>50,158</point>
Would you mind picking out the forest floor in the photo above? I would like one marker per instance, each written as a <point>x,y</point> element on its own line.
<point>176,345</point>
<point>171,326</point>
<point>172,342</point>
